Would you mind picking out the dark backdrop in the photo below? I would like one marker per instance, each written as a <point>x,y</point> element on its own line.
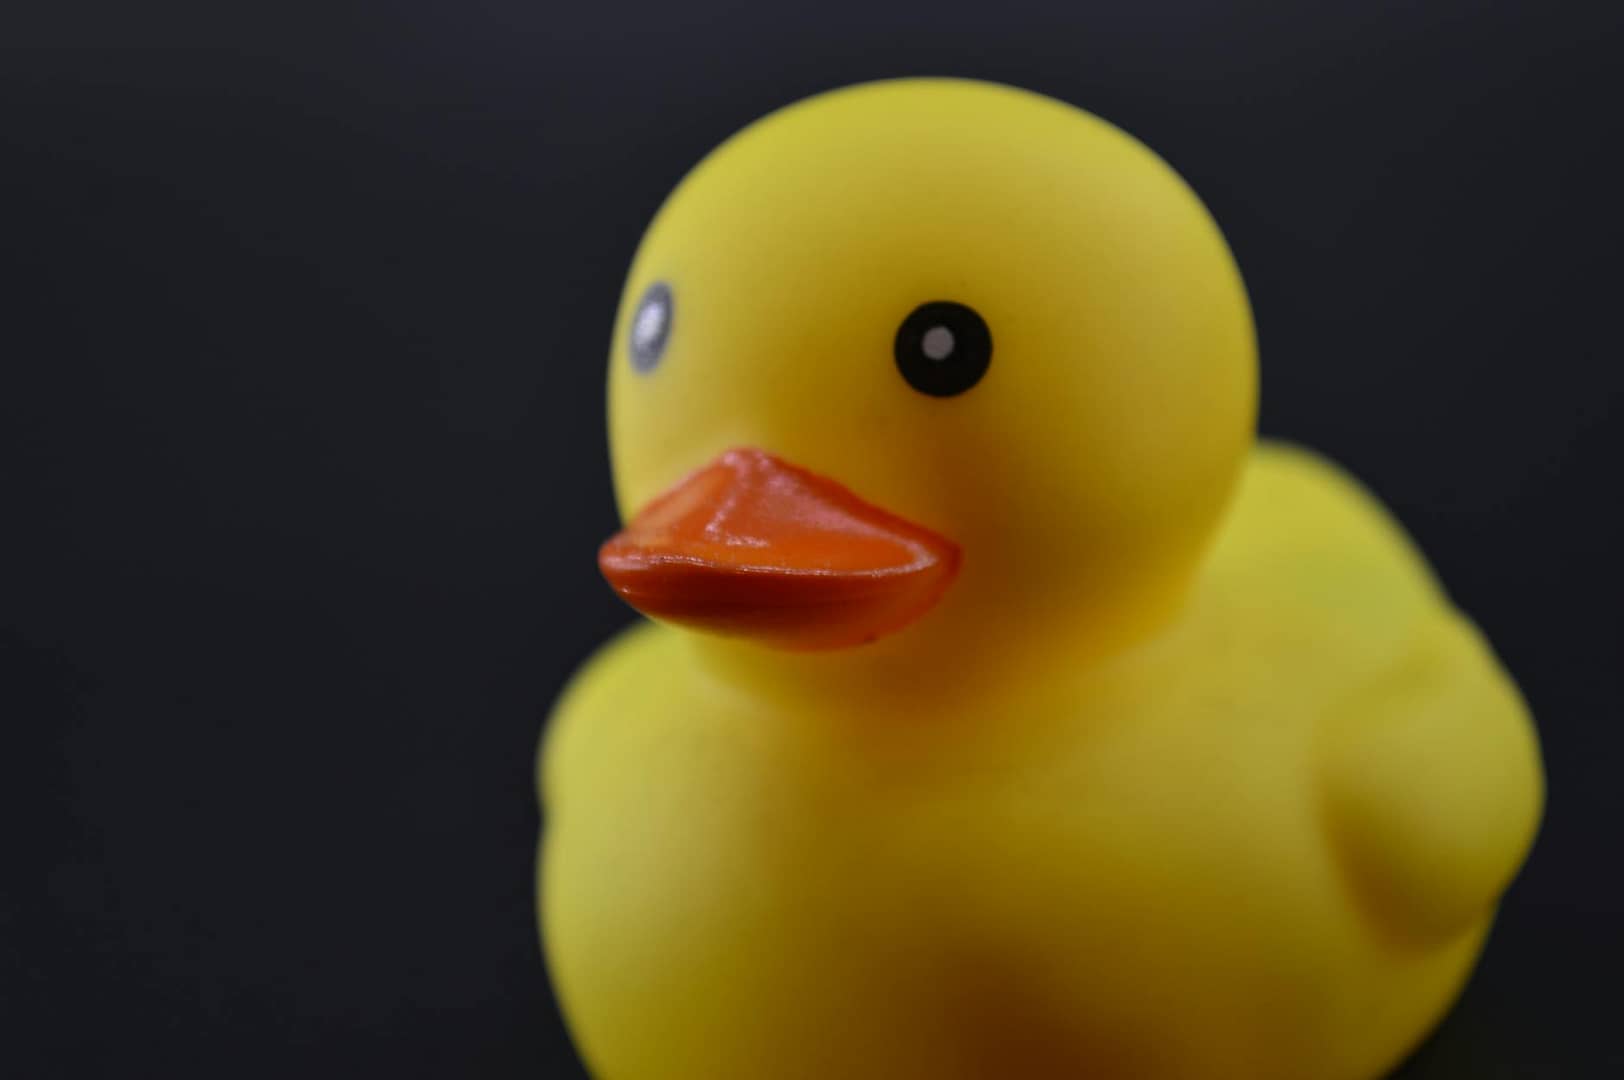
<point>301,353</point>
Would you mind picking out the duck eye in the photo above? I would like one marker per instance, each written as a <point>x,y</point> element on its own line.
<point>943,348</point>
<point>651,327</point>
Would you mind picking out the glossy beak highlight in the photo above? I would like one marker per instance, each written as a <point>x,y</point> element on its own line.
<point>753,546</point>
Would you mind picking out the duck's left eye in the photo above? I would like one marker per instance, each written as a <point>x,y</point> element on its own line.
<point>651,327</point>
<point>943,348</point>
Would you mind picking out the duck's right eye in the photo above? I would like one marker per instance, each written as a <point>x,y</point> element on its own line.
<point>651,327</point>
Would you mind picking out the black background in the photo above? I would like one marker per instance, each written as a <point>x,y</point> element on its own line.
<point>301,374</point>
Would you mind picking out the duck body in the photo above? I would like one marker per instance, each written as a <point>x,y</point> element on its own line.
<point>1010,710</point>
<point>1265,843</point>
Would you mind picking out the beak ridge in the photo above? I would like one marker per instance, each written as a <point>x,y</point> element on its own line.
<point>751,545</point>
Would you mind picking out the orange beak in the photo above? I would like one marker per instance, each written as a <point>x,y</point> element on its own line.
<point>756,547</point>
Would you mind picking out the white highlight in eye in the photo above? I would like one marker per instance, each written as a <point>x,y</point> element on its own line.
<point>938,343</point>
<point>649,325</point>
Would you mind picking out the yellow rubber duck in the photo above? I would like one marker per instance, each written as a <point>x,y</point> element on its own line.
<point>1010,710</point>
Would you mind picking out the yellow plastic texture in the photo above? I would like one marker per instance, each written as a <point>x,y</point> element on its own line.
<point>1194,773</point>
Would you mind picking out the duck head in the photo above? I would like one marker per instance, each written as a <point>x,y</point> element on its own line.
<point>927,360</point>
